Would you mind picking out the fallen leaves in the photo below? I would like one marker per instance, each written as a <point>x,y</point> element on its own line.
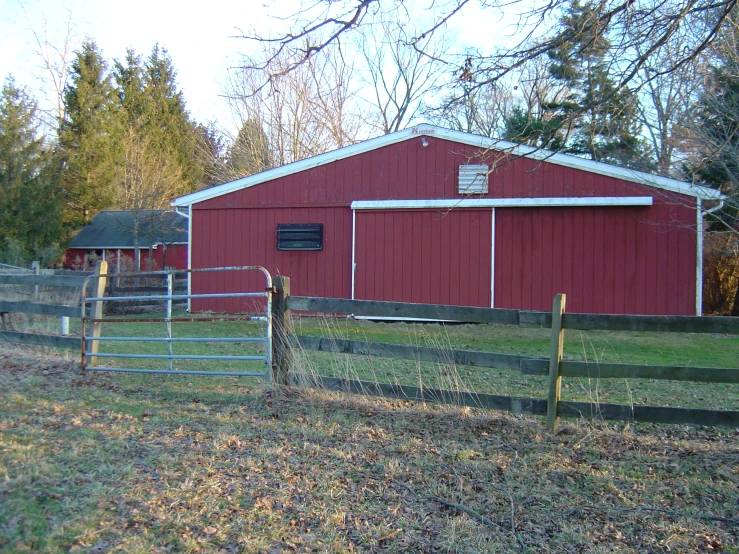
<point>108,463</point>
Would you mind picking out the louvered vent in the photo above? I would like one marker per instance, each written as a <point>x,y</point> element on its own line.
<point>300,236</point>
<point>473,179</point>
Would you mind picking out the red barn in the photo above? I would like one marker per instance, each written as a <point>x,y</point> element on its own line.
<point>116,235</point>
<point>430,215</point>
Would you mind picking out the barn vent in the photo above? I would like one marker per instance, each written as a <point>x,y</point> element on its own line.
<point>473,179</point>
<point>300,236</point>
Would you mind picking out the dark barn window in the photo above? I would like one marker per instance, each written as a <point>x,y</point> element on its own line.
<point>300,236</point>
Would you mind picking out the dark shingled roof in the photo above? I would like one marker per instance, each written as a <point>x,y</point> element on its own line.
<point>115,229</point>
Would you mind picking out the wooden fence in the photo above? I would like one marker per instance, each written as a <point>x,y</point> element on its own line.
<point>554,367</point>
<point>68,281</point>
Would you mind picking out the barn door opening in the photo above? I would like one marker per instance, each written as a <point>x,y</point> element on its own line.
<point>424,256</point>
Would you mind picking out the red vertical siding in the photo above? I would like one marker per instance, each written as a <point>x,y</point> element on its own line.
<point>248,237</point>
<point>610,274</point>
<point>429,249</point>
<point>176,256</point>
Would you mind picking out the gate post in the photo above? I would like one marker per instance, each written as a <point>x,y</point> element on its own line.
<point>96,310</point>
<point>281,329</point>
<point>555,359</point>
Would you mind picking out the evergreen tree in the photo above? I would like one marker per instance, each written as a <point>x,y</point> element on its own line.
<point>249,154</point>
<point>30,200</point>
<point>598,118</point>
<point>524,127</point>
<point>89,137</point>
<point>167,120</point>
<point>129,80</point>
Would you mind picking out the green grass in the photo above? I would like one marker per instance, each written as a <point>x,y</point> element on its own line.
<point>698,350</point>
<point>131,463</point>
<point>681,349</point>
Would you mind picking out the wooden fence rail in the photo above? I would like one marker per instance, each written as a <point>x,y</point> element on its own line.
<point>554,367</point>
<point>61,281</point>
<point>40,308</point>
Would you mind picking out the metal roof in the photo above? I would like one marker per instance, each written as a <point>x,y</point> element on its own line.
<point>115,229</point>
<point>566,160</point>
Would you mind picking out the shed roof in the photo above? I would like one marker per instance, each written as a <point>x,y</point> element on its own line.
<point>566,160</point>
<point>115,229</point>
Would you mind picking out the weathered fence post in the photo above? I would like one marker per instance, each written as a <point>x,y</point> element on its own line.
<point>281,329</point>
<point>36,266</point>
<point>555,357</point>
<point>64,326</point>
<point>96,309</point>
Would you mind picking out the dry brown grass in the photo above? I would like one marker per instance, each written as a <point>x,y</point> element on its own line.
<point>146,464</point>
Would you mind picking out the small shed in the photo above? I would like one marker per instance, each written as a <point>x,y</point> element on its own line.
<point>116,235</point>
<point>431,215</point>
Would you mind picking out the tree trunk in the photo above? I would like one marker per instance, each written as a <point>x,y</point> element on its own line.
<point>735,309</point>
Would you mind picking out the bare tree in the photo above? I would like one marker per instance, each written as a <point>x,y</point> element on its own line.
<point>479,110</point>
<point>303,112</point>
<point>666,102</point>
<point>715,125</point>
<point>55,49</point>
<point>400,71</point>
<point>638,28</point>
<point>150,180</point>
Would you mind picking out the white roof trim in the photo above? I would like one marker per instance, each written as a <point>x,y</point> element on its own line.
<point>502,203</point>
<point>460,137</point>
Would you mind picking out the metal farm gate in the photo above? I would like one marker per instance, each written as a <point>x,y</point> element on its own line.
<point>92,313</point>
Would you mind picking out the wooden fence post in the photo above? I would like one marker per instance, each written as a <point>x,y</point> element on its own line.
<point>96,310</point>
<point>36,266</point>
<point>555,357</point>
<point>281,329</point>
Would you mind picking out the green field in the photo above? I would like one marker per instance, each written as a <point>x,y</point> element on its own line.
<point>698,350</point>
<point>679,349</point>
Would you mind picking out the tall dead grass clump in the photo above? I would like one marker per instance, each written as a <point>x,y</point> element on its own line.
<point>362,370</point>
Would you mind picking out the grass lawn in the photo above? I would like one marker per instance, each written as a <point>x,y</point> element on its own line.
<point>130,463</point>
<point>680,349</point>
<point>698,350</point>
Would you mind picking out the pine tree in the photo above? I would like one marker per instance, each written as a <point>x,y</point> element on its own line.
<point>249,154</point>
<point>30,200</point>
<point>160,160</point>
<point>599,119</point>
<point>90,135</point>
<point>168,122</point>
<point>129,80</point>
<point>524,127</point>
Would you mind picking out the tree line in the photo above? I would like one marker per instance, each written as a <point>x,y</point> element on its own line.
<point>123,140</point>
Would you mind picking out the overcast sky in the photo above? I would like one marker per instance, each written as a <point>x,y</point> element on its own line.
<point>198,35</point>
<point>199,39</point>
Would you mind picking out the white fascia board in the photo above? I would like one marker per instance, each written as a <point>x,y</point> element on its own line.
<point>452,203</point>
<point>485,143</point>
